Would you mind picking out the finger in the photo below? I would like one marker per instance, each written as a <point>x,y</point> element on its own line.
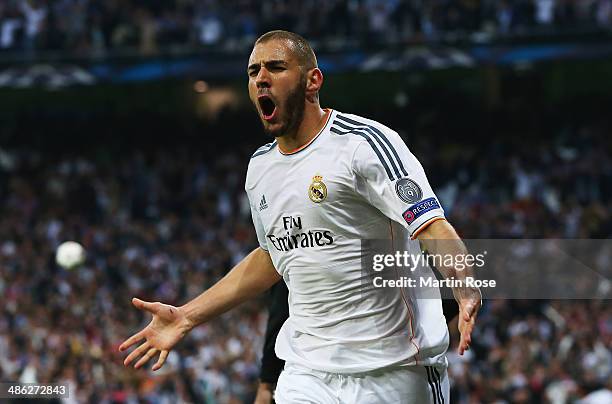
<point>466,337</point>
<point>467,330</point>
<point>150,353</point>
<point>131,341</point>
<point>142,305</point>
<point>162,359</point>
<point>462,345</point>
<point>136,353</point>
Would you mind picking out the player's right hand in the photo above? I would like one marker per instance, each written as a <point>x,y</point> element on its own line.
<point>168,326</point>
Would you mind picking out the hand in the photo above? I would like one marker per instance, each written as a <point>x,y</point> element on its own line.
<point>264,394</point>
<point>168,326</point>
<point>469,300</point>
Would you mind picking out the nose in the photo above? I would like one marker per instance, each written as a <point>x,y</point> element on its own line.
<point>263,78</point>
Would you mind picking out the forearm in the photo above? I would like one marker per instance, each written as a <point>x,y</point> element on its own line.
<point>252,276</point>
<point>440,239</point>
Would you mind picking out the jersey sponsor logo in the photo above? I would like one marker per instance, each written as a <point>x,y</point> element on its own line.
<point>309,239</point>
<point>317,190</point>
<point>408,190</point>
<point>296,237</point>
<point>419,209</point>
<point>263,204</point>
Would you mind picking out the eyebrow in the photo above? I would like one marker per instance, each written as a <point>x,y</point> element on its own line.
<point>269,63</point>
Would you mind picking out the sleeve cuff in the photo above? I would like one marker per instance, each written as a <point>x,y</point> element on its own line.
<point>425,224</point>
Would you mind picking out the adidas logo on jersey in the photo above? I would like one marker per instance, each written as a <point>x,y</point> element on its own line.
<point>263,204</point>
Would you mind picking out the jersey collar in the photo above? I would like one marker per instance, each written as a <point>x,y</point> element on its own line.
<point>328,112</point>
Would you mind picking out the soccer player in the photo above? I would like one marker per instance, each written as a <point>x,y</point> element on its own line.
<point>328,181</point>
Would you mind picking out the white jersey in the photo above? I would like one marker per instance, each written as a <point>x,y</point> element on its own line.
<point>355,180</point>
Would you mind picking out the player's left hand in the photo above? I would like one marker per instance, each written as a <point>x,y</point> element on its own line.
<point>469,303</point>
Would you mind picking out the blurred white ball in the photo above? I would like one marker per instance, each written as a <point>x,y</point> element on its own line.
<point>70,254</point>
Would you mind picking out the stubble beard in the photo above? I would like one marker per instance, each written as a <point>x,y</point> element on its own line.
<point>293,110</point>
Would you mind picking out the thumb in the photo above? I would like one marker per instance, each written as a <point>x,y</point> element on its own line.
<point>141,304</point>
<point>468,309</point>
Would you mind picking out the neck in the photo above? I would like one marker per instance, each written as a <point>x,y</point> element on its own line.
<point>311,125</point>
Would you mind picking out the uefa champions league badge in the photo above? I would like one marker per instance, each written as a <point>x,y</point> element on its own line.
<point>317,190</point>
<point>408,190</point>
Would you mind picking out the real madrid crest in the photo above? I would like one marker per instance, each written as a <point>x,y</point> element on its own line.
<point>317,191</point>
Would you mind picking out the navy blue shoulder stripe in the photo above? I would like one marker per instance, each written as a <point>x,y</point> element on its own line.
<point>375,131</point>
<point>368,138</point>
<point>377,139</point>
<point>264,149</point>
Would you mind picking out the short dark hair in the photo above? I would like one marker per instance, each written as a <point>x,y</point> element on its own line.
<point>301,48</point>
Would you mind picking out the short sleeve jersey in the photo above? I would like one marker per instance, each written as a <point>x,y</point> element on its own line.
<point>355,180</point>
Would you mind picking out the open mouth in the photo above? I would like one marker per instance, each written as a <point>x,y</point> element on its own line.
<point>268,108</point>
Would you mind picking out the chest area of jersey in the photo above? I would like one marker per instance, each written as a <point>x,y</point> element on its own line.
<point>306,195</point>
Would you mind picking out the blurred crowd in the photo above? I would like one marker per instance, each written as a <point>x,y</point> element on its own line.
<point>536,352</point>
<point>162,228</point>
<point>530,186</point>
<point>165,224</point>
<point>94,27</point>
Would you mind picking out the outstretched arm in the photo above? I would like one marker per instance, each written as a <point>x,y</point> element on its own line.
<point>440,237</point>
<point>252,276</point>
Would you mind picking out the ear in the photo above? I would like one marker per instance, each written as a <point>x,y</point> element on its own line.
<point>314,81</point>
